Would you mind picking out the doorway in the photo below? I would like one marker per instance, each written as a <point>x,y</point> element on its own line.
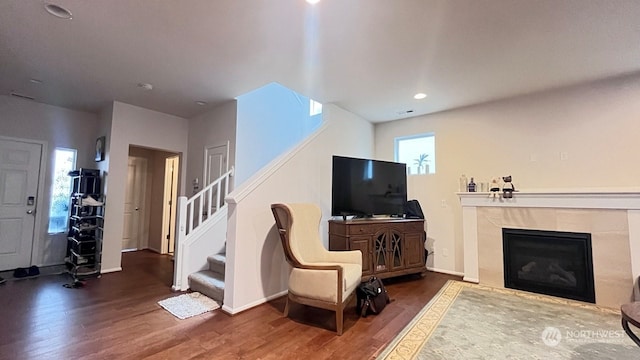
<point>170,204</point>
<point>20,165</point>
<point>134,204</point>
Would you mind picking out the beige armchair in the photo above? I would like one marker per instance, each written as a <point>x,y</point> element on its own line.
<point>319,278</point>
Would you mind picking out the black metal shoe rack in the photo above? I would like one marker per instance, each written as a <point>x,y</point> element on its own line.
<point>86,220</point>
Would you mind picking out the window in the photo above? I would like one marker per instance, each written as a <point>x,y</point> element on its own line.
<point>418,152</point>
<point>64,161</point>
<point>315,108</point>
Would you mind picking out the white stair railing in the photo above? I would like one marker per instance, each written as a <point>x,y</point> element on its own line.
<point>194,213</point>
<point>206,202</point>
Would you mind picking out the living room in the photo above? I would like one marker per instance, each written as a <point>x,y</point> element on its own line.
<point>575,134</point>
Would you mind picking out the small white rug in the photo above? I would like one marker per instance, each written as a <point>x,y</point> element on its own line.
<point>188,305</point>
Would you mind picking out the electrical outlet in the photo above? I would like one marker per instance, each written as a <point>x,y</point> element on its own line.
<point>445,252</point>
<point>443,203</point>
<point>564,156</point>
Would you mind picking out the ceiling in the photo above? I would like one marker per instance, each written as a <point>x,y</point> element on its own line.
<point>367,56</point>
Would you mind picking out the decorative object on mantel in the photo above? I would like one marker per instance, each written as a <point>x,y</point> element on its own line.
<point>463,183</point>
<point>494,188</point>
<point>472,186</point>
<point>507,188</point>
<point>100,145</point>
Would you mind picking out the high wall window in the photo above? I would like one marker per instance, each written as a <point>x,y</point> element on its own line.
<point>418,152</point>
<point>315,108</point>
<point>65,161</point>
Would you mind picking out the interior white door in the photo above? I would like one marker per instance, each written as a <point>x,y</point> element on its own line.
<point>19,173</point>
<point>215,165</point>
<point>170,204</point>
<point>133,204</point>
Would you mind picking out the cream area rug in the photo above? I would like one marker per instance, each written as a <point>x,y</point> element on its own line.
<point>188,305</point>
<point>470,321</point>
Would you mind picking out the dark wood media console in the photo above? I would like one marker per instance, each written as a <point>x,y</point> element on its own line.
<point>390,247</point>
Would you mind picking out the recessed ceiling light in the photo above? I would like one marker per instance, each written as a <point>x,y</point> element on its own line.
<point>58,11</point>
<point>35,81</point>
<point>201,103</point>
<point>404,112</point>
<point>313,2</point>
<point>145,86</point>
<point>419,96</point>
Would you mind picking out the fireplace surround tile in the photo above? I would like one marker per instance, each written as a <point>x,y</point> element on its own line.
<point>610,244</point>
<point>593,220</point>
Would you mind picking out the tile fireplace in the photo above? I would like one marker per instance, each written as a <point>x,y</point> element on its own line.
<point>610,217</point>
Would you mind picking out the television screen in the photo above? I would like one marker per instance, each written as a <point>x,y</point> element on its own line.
<point>365,187</point>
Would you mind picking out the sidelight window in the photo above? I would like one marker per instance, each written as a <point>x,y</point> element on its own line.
<point>64,161</point>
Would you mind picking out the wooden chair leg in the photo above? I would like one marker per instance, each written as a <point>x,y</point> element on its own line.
<point>339,320</point>
<point>286,308</point>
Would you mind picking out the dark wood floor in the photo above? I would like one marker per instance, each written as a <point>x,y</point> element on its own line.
<point>117,317</point>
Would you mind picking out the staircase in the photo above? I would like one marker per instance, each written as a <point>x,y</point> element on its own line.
<point>210,282</point>
<point>202,229</point>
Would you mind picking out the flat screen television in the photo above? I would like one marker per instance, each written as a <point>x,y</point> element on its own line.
<point>365,187</point>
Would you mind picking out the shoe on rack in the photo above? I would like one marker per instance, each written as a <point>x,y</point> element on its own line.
<point>2,280</point>
<point>90,201</point>
<point>86,226</point>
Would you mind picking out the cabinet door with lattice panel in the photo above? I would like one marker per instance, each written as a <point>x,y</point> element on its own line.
<point>380,252</point>
<point>387,250</point>
<point>396,249</point>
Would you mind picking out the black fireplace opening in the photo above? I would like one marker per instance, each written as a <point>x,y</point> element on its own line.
<point>554,263</point>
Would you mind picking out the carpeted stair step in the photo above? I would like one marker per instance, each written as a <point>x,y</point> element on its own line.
<point>217,262</point>
<point>208,283</point>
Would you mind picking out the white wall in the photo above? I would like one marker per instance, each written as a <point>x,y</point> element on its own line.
<point>272,112</point>
<point>595,125</point>
<point>57,127</point>
<point>132,125</point>
<point>212,128</point>
<point>256,268</point>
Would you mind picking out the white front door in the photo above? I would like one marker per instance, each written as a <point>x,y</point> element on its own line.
<point>134,202</point>
<point>19,173</point>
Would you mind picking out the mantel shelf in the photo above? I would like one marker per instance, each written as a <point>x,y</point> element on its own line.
<point>611,198</point>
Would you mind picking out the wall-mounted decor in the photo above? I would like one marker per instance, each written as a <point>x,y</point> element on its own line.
<point>100,145</point>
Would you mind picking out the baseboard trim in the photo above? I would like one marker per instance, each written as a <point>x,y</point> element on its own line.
<point>106,271</point>
<point>471,280</point>
<point>443,271</point>
<point>154,250</point>
<point>236,311</point>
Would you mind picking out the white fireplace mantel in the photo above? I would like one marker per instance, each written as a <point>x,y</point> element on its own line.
<point>576,199</point>
<point>623,199</point>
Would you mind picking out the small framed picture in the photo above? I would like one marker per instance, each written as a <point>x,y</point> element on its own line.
<point>100,144</point>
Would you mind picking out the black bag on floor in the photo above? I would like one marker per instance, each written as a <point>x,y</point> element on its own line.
<point>372,297</point>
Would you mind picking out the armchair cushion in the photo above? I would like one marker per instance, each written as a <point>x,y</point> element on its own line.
<point>322,285</point>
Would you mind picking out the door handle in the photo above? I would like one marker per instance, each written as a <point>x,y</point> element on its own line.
<point>137,209</point>
<point>30,212</point>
